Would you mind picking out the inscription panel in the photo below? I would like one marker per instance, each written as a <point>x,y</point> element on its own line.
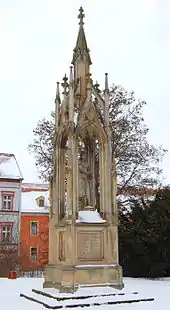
<point>90,246</point>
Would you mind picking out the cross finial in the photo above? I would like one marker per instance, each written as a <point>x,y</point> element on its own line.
<point>81,16</point>
<point>97,87</point>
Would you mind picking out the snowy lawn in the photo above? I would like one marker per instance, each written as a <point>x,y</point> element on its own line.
<point>159,289</point>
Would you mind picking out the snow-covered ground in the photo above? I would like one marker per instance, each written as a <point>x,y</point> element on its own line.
<point>159,289</point>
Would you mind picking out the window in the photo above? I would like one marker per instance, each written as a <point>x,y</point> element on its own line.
<point>34,254</point>
<point>41,202</point>
<point>34,228</point>
<point>6,233</point>
<point>7,201</point>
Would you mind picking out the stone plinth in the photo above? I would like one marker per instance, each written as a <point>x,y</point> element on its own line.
<point>86,254</point>
<point>68,278</point>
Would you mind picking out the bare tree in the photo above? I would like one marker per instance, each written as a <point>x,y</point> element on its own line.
<point>137,160</point>
<point>9,257</point>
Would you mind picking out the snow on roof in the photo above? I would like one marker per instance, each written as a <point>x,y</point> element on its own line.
<point>89,217</point>
<point>9,167</point>
<point>29,198</point>
<point>34,186</point>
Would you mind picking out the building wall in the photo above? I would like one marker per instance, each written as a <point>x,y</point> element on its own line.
<point>14,187</point>
<point>11,216</point>
<point>28,241</point>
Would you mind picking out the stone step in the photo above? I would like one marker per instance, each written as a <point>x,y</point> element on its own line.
<point>60,297</point>
<point>52,302</point>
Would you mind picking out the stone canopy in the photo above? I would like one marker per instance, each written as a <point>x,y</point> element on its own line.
<point>83,220</point>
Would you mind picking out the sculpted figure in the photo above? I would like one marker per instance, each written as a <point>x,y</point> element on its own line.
<point>85,176</point>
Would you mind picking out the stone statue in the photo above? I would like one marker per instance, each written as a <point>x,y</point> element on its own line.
<point>85,177</point>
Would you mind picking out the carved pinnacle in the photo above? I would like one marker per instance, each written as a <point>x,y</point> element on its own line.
<point>65,85</point>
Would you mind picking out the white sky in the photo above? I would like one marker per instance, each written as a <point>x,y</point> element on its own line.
<point>130,39</point>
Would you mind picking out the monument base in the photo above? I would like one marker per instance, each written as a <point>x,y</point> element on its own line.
<point>68,278</point>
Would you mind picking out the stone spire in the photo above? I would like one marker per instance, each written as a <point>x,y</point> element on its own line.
<point>57,97</point>
<point>71,96</point>
<point>106,90</point>
<point>57,105</point>
<point>107,100</point>
<point>81,49</point>
<point>81,60</point>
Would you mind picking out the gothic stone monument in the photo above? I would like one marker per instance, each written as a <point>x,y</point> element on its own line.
<point>83,236</point>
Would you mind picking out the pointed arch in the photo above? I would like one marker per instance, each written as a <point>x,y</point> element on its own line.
<point>89,124</point>
<point>88,118</point>
<point>61,151</point>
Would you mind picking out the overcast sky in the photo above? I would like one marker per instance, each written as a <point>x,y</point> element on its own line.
<point>130,39</point>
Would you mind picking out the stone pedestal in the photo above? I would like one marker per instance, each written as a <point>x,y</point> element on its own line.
<point>86,254</point>
<point>68,278</point>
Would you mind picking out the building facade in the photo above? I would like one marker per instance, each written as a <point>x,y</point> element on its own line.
<point>34,227</point>
<point>10,202</point>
